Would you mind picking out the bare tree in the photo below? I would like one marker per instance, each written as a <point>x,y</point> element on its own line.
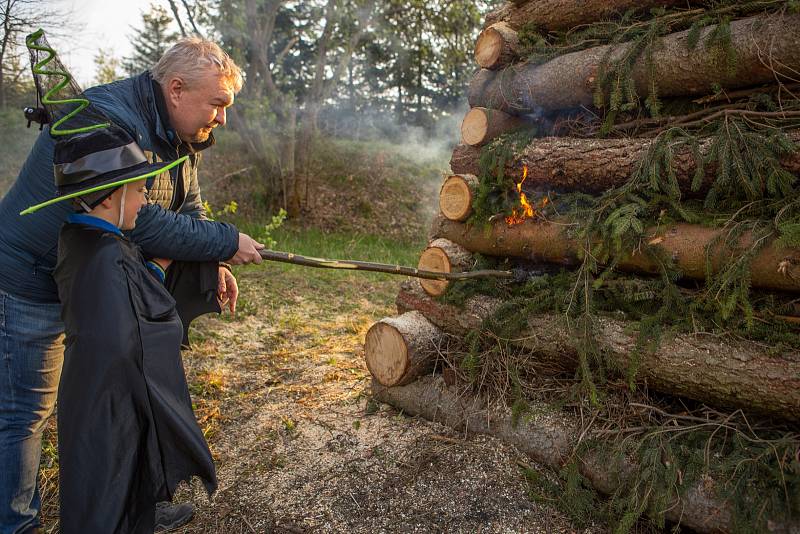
<point>193,9</point>
<point>174,7</point>
<point>324,84</point>
<point>190,13</point>
<point>17,18</point>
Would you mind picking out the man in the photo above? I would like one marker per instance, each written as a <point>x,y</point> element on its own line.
<point>170,112</point>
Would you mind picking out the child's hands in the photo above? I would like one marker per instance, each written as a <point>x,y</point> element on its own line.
<point>162,262</point>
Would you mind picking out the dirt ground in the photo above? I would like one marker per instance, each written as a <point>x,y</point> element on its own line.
<point>283,395</point>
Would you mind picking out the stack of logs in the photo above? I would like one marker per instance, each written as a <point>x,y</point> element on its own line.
<point>507,94</point>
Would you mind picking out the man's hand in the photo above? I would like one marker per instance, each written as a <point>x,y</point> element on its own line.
<point>248,251</point>
<point>227,289</point>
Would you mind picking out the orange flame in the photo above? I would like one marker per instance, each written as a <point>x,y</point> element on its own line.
<point>526,209</point>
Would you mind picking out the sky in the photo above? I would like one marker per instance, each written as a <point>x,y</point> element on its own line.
<point>97,24</point>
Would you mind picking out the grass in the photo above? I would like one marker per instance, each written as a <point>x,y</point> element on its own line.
<point>15,142</point>
<point>321,285</point>
<point>340,246</point>
<point>356,186</point>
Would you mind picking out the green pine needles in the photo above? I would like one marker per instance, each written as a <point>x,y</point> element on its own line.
<point>747,194</point>
<point>738,185</point>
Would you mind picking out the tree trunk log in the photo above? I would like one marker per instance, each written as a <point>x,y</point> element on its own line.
<point>761,43</point>
<point>772,268</point>
<point>466,159</point>
<point>451,319</point>
<point>443,256</point>
<point>549,439</point>
<point>497,46</point>
<point>552,15</point>
<point>481,125</point>
<point>456,196</point>
<point>593,165</point>
<point>719,372</point>
<point>397,350</point>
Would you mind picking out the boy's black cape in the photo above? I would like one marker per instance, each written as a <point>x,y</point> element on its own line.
<point>126,431</point>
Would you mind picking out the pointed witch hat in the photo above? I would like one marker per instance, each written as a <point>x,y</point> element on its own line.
<point>99,160</point>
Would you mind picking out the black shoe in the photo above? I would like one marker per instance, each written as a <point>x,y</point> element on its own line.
<point>171,516</point>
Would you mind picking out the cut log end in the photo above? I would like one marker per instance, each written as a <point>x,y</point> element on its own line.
<point>456,195</point>
<point>397,350</point>
<point>475,127</point>
<point>386,353</point>
<point>434,259</point>
<point>489,48</point>
<point>443,256</point>
<point>497,46</point>
<point>481,125</point>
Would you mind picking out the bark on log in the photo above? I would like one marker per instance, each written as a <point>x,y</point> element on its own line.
<point>456,196</point>
<point>719,372</point>
<point>593,165</point>
<point>565,14</point>
<point>481,125</point>
<point>467,160</point>
<point>772,268</point>
<point>549,439</point>
<point>497,46</point>
<point>453,320</point>
<point>443,256</point>
<point>761,43</point>
<point>397,350</point>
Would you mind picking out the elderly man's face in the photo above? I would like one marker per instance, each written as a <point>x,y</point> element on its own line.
<point>199,108</point>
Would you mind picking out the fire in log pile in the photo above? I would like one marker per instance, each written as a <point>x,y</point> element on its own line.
<point>525,211</point>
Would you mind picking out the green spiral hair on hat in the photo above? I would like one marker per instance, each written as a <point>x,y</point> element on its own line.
<point>49,72</point>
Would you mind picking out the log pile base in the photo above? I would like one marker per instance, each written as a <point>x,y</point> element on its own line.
<point>736,374</point>
<point>550,440</point>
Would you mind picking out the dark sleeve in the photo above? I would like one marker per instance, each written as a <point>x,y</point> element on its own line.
<point>166,234</point>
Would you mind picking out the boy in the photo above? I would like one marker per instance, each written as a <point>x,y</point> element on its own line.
<point>127,435</point>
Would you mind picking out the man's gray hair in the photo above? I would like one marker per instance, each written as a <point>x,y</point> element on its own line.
<point>190,58</point>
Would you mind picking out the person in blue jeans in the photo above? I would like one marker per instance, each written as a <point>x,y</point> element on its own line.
<point>170,112</point>
<point>31,334</point>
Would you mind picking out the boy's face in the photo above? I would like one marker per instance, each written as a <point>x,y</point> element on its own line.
<point>135,199</point>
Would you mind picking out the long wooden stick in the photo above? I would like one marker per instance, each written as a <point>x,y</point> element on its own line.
<point>322,263</point>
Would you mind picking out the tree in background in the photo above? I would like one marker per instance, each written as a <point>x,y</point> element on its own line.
<point>17,19</point>
<point>151,41</point>
<point>106,67</point>
<point>417,61</point>
<point>193,12</point>
<point>294,56</point>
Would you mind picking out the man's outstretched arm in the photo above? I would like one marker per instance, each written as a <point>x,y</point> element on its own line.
<point>165,234</point>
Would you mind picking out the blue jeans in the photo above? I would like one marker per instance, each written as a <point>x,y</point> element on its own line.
<point>31,354</point>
